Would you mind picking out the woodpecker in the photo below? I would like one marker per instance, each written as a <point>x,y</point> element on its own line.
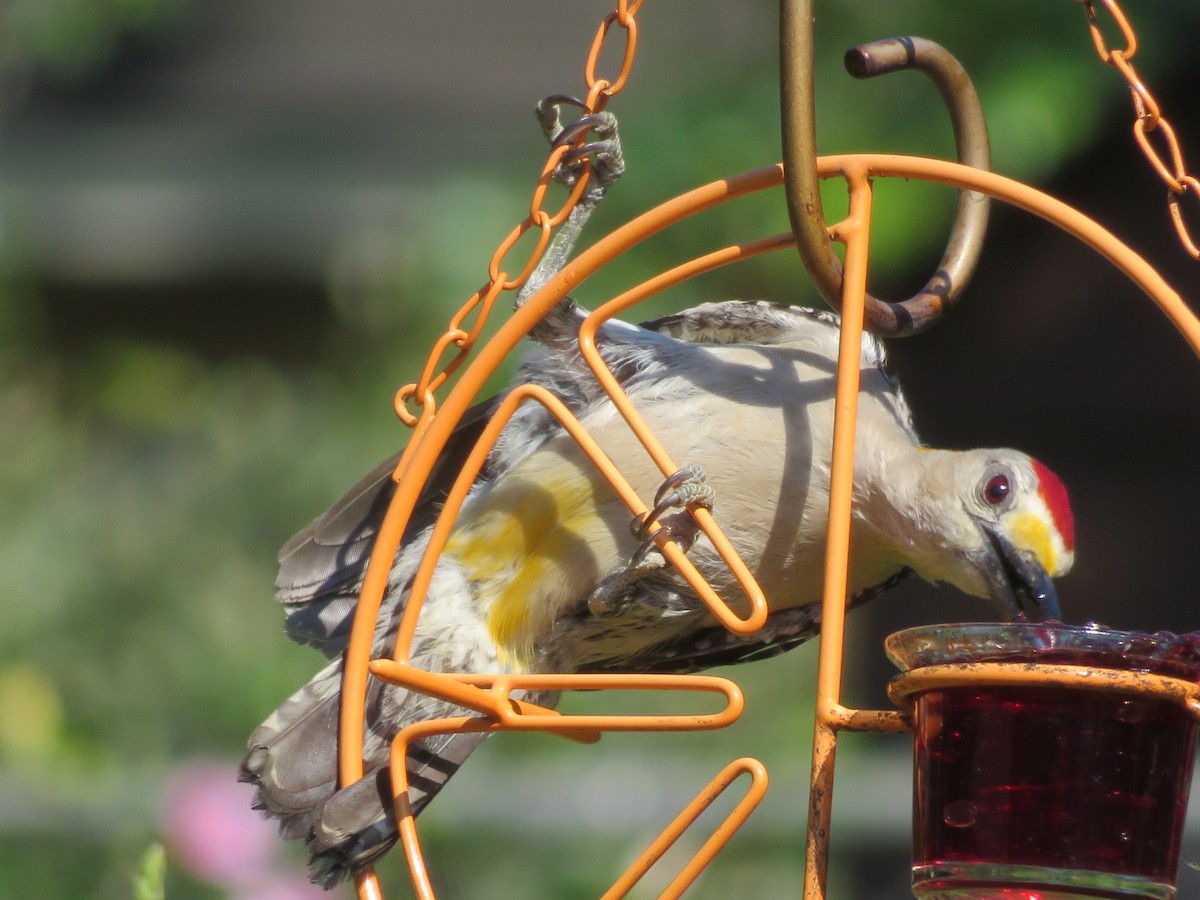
<point>542,572</point>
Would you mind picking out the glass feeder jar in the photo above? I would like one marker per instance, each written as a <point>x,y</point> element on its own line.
<point>1051,762</point>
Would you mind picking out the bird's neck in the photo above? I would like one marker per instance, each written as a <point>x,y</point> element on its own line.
<point>893,506</point>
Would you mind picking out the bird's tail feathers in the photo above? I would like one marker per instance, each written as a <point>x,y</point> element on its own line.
<point>292,761</point>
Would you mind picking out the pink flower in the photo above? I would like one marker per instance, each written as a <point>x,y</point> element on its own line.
<point>213,831</point>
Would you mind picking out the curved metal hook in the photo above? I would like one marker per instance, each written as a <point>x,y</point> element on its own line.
<point>800,167</point>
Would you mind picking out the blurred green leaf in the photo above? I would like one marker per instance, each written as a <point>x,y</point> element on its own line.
<point>149,882</point>
<point>148,481</point>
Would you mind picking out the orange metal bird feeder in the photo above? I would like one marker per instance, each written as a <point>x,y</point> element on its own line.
<point>949,670</point>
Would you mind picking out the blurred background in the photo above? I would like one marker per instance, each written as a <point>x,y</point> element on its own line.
<point>230,230</point>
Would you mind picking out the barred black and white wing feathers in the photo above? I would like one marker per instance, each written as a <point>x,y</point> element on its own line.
<point>321,569</point>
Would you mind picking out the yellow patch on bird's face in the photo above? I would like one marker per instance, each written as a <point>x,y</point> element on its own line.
<point>1030,530</point>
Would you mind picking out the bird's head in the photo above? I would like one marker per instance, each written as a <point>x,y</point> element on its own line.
<point>1009,528</point>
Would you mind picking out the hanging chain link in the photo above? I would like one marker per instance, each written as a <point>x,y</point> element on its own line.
<point>1163,151</point>
<point>461,335</point>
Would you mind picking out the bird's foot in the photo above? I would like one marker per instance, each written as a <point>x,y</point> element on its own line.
<point>603,155</point>
<point>686,490</point>
<point>604,151</point>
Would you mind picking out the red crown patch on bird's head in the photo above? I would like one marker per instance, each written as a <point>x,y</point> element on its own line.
<point>1054,493</point>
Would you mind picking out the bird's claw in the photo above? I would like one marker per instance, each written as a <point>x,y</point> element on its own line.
<point>607,161</point>
<point>686,490</point>
<point>688,487</point>
<point>549,113</point>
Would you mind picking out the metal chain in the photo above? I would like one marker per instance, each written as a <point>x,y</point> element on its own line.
<point>1167,157</point>
<point>460,337</point>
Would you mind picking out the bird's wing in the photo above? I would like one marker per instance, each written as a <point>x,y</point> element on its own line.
<point>744,322</point>
<point>766,323</point>
<point>321,568</point>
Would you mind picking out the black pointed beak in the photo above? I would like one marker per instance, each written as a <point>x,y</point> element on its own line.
<point>1016,579</point>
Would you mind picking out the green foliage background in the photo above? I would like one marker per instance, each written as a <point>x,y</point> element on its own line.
<point>146,485</point>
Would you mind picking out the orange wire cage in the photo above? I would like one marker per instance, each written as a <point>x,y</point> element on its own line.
<point>489,694</point>
<point>488,697</point>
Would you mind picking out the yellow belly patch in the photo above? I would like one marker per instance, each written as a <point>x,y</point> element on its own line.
<point>528,548</point>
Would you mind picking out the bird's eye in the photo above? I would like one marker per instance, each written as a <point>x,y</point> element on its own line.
<point>996,490</point>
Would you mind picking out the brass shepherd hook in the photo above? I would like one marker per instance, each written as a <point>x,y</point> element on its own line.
<point>800,166</point>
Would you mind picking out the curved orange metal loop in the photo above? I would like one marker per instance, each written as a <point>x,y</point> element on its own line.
<point>549,721</point>
<point>629,24</point>
<point>1127,33</point>
<point>597,97</point>
<point>719,838</point>
<point>756,616</point>
<point>626,9</point>
<point>430,382</point>
<point>502,713</point>
<point>398,768</point>
<point>539,193</point>
<point>366,885</point>
<point>483,299</point>
<point>495,274</point>
<point>400,405</point>
<point>1144,103</point>
<point>1190,186</point>
<point>802,189</point>
<point>1173,174</point>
